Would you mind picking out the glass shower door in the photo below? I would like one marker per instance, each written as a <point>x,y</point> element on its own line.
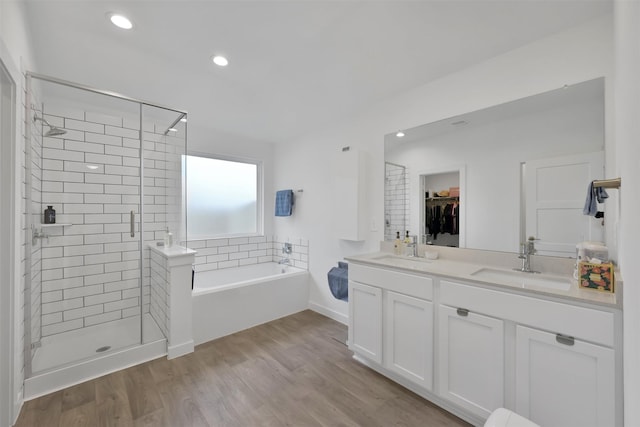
<point>84,162</point>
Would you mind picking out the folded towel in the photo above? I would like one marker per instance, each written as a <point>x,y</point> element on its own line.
<point>339,281</point>
<point>594,194</point>
<point>284,202</point>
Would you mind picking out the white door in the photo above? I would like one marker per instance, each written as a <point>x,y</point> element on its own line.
<point>471,360</point>
<point>365,320</point>
<point>556,191</point>
<point>409,338</point>
<point>563,382</point>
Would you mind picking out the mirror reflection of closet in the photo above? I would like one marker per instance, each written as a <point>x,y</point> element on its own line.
<point>440,213</point>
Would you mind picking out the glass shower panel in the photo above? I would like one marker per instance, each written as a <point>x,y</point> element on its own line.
<point>85,163</point>
<point>164,133</point>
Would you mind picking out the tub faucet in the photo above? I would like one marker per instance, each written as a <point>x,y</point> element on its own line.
<point>526,250</point>
<point>284,261</point>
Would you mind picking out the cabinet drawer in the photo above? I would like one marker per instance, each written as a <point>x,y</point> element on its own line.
<point>408,284</point>
<point>579,322</point>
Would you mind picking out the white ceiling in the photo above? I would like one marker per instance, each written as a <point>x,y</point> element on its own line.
<point>295,66</point>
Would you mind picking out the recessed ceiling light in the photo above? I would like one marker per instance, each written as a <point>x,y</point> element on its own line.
<point>121,21</point>
<point>400,134</point>
<point>173,130</point>
<point>221,61</point>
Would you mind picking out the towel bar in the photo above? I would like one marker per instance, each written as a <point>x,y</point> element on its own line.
<point>608,183</point>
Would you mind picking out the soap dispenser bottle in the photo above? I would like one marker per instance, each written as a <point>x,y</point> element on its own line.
<point>396,246</point>
<point>49,215</point>
<point>168,238</point>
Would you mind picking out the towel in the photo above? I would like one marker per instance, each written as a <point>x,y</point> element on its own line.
<point>284,202</point>
<point>594,194</point>
<point>339,281</point>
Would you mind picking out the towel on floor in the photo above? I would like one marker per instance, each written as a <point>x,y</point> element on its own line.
<point>284,202</point>
<point>594,194</point>
<point>339,281</point>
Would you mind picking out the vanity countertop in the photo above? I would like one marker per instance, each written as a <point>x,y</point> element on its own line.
<point>497,275</point>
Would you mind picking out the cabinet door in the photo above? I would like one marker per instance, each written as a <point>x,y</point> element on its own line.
<point>471,360</point>
<point>563,382</point>
<point>408,338</point>
<point>365,320</point>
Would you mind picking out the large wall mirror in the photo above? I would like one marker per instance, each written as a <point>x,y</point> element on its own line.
<point>491,178</point>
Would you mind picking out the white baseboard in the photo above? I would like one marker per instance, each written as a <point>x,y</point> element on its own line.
<point>178,350</point>
<point>331,314</point>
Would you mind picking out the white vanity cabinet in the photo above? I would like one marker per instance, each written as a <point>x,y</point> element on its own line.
<point>365,320</point>
<point>472,347</point>
<point>471,359</point>
<point>563,381</point>
<point>391,321</point>
<point>560,364</point>
<point>408,338</point>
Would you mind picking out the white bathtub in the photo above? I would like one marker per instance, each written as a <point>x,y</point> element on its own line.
<point>232,299</point>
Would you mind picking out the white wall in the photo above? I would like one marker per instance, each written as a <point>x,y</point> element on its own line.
<point>577,55</point>
<point>627,133</point>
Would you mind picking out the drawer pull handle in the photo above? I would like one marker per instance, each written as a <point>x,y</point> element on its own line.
<point>462,312</point>
<point>565,339</point>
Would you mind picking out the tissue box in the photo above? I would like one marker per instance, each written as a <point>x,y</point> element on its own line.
<point>454,191</point>
<point>596,276</point>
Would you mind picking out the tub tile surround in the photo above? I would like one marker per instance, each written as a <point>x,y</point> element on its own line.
<point>91,269</point>
<point>214,254</point>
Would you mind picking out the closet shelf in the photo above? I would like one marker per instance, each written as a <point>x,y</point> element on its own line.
<point>55,225</point>
<point>442,198</point>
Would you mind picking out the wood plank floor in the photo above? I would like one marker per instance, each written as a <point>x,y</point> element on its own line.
<point>294,371</point>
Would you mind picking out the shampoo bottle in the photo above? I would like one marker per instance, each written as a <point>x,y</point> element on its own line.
<point>49,215</point>
<point>168,239</point>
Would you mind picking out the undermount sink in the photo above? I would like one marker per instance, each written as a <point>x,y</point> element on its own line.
<point>410,262</point>
<point>522,279</point>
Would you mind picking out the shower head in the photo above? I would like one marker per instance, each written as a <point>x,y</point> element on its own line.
<point>53,130</point>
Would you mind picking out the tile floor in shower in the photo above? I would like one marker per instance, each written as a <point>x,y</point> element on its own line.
<point>70,347</point>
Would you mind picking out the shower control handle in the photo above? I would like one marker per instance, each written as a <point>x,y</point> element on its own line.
<point>133,224</point>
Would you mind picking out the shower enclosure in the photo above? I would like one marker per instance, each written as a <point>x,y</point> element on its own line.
<point>110,167</point>
<point>396,200</point>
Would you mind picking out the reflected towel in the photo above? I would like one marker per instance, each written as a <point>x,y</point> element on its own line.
<point>284,202</point>
<point>339,281</point>
<point>594,195</point>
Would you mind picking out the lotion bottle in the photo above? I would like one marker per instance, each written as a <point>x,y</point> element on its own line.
<point>168,239</point>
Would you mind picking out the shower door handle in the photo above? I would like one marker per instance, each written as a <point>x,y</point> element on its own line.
<point>133,224</point>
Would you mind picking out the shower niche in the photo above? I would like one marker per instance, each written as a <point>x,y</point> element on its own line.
<point>110,166</point>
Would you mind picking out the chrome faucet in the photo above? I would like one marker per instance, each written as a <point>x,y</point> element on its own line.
<point>414,246</point>
<point>526,250</point>
<point>284,261</point>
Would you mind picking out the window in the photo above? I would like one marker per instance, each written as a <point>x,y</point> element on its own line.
<point>223,197</point>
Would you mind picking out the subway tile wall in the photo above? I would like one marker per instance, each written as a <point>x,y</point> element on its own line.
<point>91,175</point>
<point>33,193</point>
<point>396,200</point>
<point>214,254</point>
<point>159,291</point>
